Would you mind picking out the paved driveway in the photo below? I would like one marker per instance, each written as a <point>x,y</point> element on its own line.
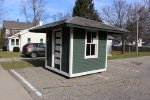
<point>125,79</point>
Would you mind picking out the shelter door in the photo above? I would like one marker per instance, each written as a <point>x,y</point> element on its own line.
<point>57,50</point>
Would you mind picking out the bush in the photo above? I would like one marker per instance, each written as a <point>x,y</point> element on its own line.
<point>4,48</point>
<point>16,49</point>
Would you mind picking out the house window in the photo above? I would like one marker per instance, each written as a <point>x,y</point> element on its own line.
<point>91,45</point>
<point>17,41</point>
<point>12,41</point>
<point>29,40</point>
<point>41,40</point>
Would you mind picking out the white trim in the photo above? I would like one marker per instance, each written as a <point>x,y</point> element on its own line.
<point>71,52</point>
<point>106,53</point>
<point>46,50</point>
<point>27,83</point>
<point>53,47</point>
<point>96,53</point>
<point>60,47</point>
<point>53,42</point>
<point>58,71</point>
<point>86,73</point>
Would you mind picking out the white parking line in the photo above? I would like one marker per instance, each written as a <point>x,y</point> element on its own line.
<point>103,77</point>
<point>127,69</point>
<point>126,63</point>
<point>27,83</point>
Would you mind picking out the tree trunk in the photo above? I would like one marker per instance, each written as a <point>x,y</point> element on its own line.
<point>123,44</point>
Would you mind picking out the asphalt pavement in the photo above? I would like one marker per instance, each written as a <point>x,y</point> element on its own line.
<point>125,79</point>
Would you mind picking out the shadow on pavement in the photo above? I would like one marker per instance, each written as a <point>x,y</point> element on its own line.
<point>36,62</point>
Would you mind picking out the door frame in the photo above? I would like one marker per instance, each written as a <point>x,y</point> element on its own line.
<point>53,48</point>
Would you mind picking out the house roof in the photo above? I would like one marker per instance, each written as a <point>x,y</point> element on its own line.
<point>81,23</point>
<point>16,25</point>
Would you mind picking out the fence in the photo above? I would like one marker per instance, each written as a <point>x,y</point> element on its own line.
<point>131,48</point>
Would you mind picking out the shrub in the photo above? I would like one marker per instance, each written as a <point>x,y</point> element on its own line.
<point>16,49</point>
<point>4,48</point>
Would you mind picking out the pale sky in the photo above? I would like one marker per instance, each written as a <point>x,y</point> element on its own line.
<point>13,12</point>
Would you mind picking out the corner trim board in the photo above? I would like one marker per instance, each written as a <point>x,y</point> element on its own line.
<point>106,52</point>
<point>71,52</point>
<point>46,51</point>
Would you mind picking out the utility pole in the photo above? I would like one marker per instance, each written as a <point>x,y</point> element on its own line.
<point>137,35</point>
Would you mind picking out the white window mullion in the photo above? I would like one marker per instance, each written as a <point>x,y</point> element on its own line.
<point>90,49</point>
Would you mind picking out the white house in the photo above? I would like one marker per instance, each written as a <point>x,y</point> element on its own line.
<point>139,42</point>
<point>24,37</point>
<point>12,27</point>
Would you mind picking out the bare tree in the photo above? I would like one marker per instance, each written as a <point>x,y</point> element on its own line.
<point>61,16</point>
<point>34,10</point>
<point>116,13</point>
<point>146,16</point>
<point>137,11</point>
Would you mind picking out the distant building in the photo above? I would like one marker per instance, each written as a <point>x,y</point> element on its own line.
<point>24,37</point>
<point>13,27</point>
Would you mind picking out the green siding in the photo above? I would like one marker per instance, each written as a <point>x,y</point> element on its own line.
<point>65,49</point>
<point>49,48</point>
<point>83,65</point>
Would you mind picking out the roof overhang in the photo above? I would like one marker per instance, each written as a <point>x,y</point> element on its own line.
<point>97,29</point>
<point>79,22</point>
<point>45,28</point>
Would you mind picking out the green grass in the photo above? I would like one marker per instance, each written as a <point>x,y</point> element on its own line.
<point>37,63</point>
<point>13,65</point>
<point>22,64</point>
<point>7,54</point>
<point>118,55</point>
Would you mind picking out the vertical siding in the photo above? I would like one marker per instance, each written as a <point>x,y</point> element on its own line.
<point>65,49</point>
<point>49,48</point>
<point>83,65</point>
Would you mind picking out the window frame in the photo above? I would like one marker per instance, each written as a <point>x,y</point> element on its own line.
<point>28,40</point>
<point>96,43</point>
<point>17,42</point>
<point>42,40</point>
<point>13,43</point>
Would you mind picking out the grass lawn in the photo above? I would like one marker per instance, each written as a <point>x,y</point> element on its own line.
<point>37,62</point>
<point>7,54</point>
<point>22,64</point>
<point>118,55</point>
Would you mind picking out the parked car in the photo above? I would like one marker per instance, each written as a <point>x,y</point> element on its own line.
<point>34,49</point>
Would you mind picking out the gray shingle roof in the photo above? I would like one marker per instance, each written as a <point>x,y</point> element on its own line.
<point>81,22</point>
<point>16,25</point>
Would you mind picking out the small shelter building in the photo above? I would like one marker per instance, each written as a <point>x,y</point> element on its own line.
<point>77,46</point>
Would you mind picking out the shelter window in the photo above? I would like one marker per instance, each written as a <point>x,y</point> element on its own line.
<point>91,44</point>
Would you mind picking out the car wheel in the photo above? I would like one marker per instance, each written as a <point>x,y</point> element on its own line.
<point>33,54</point>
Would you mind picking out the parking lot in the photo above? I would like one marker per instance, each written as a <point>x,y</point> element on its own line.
<point>125,79</point>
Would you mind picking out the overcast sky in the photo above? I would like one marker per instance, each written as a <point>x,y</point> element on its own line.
<point>13,12</point>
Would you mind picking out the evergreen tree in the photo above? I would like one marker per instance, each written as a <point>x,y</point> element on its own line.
<point>85,8</point>
<point>1,37</point>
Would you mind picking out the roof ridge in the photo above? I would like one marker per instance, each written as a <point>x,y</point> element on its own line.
<point>17,22</point>
<point>89,19</point>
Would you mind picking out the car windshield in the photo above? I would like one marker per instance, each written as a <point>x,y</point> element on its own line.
<point>42,45</point>
<point>35,45</point>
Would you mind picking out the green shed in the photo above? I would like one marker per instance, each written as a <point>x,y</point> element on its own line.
<point>77,46</point>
